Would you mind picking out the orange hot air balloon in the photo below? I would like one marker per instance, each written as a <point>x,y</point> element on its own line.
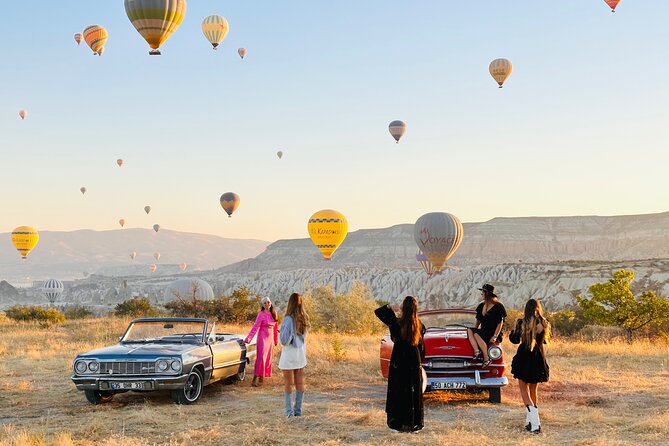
<point>183,266</point>
<point>119,162</point>
<point>327,229</point>
<point>25,239</point>
<point>96,37</point>
<point>230,202</point>
<point>612,4</point>
<point>122,222</point>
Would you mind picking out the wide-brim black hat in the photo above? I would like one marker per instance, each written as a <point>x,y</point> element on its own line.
<point>489,289</point>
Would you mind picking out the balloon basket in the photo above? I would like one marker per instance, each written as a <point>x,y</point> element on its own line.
<point>154,53</point>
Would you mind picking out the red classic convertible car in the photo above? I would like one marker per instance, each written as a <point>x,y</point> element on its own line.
<point>449,358</point>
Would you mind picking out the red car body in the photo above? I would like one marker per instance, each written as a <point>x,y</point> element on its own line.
<point>449,358</point>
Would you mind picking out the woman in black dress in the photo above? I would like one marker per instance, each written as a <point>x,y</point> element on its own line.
<point>490,316</point>
<point>404,401</point>
<point>529,365</point>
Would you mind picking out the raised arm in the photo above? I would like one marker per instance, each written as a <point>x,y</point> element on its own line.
<point>254,329</point>
<point>386,315</point>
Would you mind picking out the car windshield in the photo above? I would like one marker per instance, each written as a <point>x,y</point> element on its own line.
<point>436,320</point>
<point>165,331</point>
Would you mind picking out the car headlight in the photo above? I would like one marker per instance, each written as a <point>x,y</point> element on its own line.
<point>93,366</point>
<point>162,365</point>
<point>176,365</point>
<point>80,367</point>
<point>494,352</point>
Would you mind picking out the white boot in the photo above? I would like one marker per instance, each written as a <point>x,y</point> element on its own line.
<point>535,423</point>
<point>528,425</point>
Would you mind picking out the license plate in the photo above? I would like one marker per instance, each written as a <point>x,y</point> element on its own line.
<point>449,385</point>
<point>127,385</point>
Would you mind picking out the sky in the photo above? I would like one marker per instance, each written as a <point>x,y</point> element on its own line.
<point>578,129</point>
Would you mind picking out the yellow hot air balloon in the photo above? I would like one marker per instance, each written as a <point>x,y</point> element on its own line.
<point>215,28</point>
<point>96,37</point>
<point>155,20</point>
<point>25,239</point>
<point>327,229</point>
<point>500,70</point>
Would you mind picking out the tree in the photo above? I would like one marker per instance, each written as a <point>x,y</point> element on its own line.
<point>613,303</point>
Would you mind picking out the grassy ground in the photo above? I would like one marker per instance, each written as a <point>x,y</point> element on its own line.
<point>599,394</point>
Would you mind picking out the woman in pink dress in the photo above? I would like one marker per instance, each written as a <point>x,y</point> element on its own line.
<point>266,326</point>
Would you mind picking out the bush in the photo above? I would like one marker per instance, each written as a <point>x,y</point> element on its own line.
<point>35,313</point>
<point>136,307</point>
<point>567,322</point>
<point>77,312</point>
<point>601,333</point>
<point>240,307</point>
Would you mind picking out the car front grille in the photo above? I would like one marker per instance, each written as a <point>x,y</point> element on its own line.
<point>127,368</point>
<point>448,364</point>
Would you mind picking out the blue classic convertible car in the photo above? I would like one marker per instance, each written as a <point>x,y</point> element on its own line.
<point>181,355</point>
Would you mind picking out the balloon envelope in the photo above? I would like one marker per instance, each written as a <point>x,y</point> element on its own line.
<point>279,154</point>
<point>188,289</point>
<point>397,129</point>
<point>133,255</point>
<point>155,20</point>
<point>78,37</point>
<point>438,235</point>
<point>183,266</point>
<point>156,255</point>
<point>25,239</point>
<point>23,114</point>
<point>96,37</point>
<point>230,202</point>
<point>156,228</point>
<point>82,190</point>
<point>242,52</point>
<point>147,209</point>
<point>612,4</point>
<point>327,229</point>
<point>119,162</point>
<point>52,289</point>
<point>122,222</point>
<point>153,268</point>
<point>215,28</point>
<point>500,70</point>
<point>425,263</point>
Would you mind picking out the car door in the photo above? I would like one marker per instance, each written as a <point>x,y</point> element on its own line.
<point>227,355</point>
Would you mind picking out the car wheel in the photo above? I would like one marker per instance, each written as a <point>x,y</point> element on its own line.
<point>495,395</point>
<point>97,397</point>
<point>191,391</point>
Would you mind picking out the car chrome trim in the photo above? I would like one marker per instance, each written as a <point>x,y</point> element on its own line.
<point>471,382</point>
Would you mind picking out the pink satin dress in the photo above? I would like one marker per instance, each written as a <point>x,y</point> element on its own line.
<point>268,336</point>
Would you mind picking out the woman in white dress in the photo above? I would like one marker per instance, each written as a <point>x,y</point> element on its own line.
<point>294,353</point>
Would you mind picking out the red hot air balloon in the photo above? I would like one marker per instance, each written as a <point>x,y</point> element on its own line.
<point>612,4</point>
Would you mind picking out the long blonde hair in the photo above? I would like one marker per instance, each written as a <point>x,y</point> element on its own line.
<point>296,311</point>
<point>408,321</point>
<point>534,315</point>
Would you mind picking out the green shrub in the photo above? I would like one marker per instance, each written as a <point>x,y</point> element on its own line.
<point>336,353</point>
<point>77,312</point>
<point>136,307</point>
<point>567,322</point>
<point>35,313</point>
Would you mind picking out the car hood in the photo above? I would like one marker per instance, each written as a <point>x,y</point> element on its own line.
<point>446,342</point>
<point>137,351</point>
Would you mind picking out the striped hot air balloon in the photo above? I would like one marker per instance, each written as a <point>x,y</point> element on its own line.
<point>96,37</point>
<point>438,235</point>
<point>155,20</point>
<point>52,289</point>
<point>397,130</point>
<point>25,239</point>
<point>215,28</point>
<point>78,37</point>
<point>500,70</point>
<point>612,4</point>
<point>230,202</point>
<point>425,263</point>
<point>327,229</point>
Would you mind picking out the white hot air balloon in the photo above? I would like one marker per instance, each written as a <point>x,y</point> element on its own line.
<point>52,289</point>
<point>188,289</point>
<point>156,255</point>
<point>133,255</point>
<point>397,130</point>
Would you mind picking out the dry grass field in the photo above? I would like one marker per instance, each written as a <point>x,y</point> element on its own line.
<point>599,394</point>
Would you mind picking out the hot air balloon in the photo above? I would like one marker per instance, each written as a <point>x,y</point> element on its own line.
<point>229,202</point>
<point>119,162</point>
<point>215,28</point>
<point>155,20</point>
<point>183,266</point>
<point>242,52</point>
<point>25,239</point>
<point>147,209</point>
<point>96,37</point>
<point>153,268</point>
<point>327,229</point>
<point>23,114</point>
<point>156,227</point>
<point>133,255</point>
<point>438,235</point>
<point>82,190</point>
<point>279,154</point>
<point>52,289</point>
<point>78,37</point>
<point>612,4</point>
<point>500,70</point>
<point>397,129</point>
<point>122,222</point>
<point>156,255</point>
<point>425,263</point>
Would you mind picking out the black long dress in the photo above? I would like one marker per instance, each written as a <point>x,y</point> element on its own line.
<point>529,365</point>
<point>489,321</point>
<point>404,401</point>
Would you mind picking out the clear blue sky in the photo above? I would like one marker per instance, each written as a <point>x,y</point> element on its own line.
<point>579,128</point>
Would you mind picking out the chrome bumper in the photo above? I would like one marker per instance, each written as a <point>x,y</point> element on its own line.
<point>151,382</point>
<point>471,382</point>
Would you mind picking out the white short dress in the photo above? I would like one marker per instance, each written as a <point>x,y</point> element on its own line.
<point>294,351</point>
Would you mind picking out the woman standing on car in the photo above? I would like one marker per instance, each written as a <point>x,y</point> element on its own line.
<point>490,316</point>
<point>266,326</point>
<point>404,401</point>
<point>294,353</point>
<point>529,365</point>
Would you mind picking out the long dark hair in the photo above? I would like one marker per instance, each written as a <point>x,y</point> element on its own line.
<point>271,310</point>
<point>295,310</point>
<point>408,321</point>
<point>532,317</point>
